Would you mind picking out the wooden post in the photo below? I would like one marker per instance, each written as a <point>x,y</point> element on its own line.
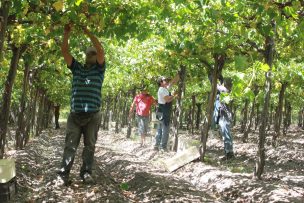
<point>178,113</point>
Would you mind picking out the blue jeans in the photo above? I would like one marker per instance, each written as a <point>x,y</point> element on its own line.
<point>224,127</point>
<point>162,135</point>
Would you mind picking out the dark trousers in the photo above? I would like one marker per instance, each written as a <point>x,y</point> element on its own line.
<point>78,124</point>
<point>222,119</point>
<point>224,127</point>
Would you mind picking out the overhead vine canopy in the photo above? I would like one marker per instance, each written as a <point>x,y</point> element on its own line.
<point>256,45</point>
<point>144,39</point>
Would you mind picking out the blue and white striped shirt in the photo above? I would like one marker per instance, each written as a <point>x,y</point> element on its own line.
<point>86,87</point>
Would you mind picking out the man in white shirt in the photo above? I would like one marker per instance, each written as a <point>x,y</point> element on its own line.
<point>164,104</point>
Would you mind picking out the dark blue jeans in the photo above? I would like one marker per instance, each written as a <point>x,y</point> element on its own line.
<point>162,135</point>
<point>222,119</point>
<point>78,124</point>
<point>224,127</point>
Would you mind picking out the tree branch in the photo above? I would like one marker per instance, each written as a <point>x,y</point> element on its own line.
<point>282,5</point>
<point>206,63</point>
<point>254,45</point>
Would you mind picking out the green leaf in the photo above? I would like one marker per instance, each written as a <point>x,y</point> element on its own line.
<point>92,9</point>
<point>78,2</point>
<point>291,12</point>
<point>264,67</point>
<point>58,5</point>
<point>248,93</point>
<point>226,98</point>
<point>240,62</point>
<point>124,186</point>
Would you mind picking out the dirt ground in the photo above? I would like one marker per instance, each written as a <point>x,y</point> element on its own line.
<point>126,172</point>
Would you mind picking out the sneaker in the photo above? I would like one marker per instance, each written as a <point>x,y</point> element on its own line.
<point>163,150</point>
<point>62,180</point>
<point>230,155</point>
<point>87,178</point>
<point>155,148</point>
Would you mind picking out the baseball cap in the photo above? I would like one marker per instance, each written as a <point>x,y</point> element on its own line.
<point>160,79</point>
<point>90,49</point>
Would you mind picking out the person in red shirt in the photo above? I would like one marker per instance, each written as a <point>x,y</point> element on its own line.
<point>143,102</point>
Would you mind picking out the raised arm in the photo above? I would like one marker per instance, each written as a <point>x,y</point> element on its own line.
<point>96,44</point>
<point>169,99</point>
<point>174,80</point>
<point>65,45</point>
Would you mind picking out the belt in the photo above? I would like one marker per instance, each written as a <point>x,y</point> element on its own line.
<point>84,113</point>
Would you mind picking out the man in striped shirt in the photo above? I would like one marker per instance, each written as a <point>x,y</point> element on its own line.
<point>84,117</point>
